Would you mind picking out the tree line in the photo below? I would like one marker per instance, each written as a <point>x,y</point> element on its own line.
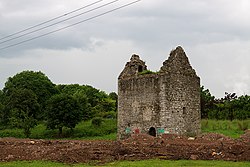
<point>30,97</point>
<point>229,107</point>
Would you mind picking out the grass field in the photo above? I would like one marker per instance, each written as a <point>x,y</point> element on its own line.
<point>145,163</point>
<point>233,128</point>
<point>107,131</point>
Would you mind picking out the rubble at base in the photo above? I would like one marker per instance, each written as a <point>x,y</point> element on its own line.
<point>209,146</point>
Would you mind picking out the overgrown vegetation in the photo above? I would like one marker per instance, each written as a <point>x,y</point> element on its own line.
<point>83,130</point>
<point>30,97</point>
<point>229,107</point>
<point>147,72</point>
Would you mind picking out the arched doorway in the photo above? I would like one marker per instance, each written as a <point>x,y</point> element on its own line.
<point>152,131</point>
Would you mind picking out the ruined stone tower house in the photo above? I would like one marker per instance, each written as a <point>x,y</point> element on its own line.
<point>159,103</point>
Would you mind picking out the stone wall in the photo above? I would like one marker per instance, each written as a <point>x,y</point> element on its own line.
<point>138,104</point>
<point>165,102</point>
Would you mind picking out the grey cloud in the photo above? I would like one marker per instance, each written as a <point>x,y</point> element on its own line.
<point>215,35</point>
<point>223,66</point>
<point>146,29</point>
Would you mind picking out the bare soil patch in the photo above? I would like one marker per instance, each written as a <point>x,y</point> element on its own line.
<point>209,146</point>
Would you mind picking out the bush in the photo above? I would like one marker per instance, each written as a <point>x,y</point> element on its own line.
<point>83,130</point>
<point>97,121</point>
<point>18,133</point>
<point>109,115</point>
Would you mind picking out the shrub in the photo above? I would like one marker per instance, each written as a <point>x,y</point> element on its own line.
<point>243,125</point>
<point>147,72</point>
<point>18,133</point>
<point>109,115</point>
<point>97,121</point>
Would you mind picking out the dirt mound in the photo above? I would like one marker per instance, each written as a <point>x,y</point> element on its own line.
<point>214,137</point>
<point>246,136</point>
<point>205,147</point>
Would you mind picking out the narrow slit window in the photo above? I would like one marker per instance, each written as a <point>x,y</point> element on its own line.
<point>184,110</point>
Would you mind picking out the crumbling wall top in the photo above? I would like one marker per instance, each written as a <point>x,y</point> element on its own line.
<point>177,63</point>
<point>133,67</point>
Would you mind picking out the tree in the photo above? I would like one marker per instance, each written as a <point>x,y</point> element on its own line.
<point>63,111</point>
<point>207,102</point>
<point>40,84</point>
<point>82,99</point>
<point>1,106</point>
<point>94,95</point>
<point>4,115</point>
<point>114,96</point>
<point>230,106</point>
<point>1,96</point>
<point>98,102</point>
<point>23,107</point>
<point>241,107</point>
<point>70,89</point>
<point>244,103</point>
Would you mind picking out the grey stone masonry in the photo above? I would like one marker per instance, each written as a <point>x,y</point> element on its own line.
<point>159,103</point>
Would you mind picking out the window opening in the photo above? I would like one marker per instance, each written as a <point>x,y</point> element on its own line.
<point>184,110</point>
<point>140,69</point>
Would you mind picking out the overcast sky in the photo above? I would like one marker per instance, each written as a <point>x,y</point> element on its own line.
<point>215,35</point>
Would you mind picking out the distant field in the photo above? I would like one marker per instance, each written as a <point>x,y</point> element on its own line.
<point>146,163</point>
<point>107,131</point>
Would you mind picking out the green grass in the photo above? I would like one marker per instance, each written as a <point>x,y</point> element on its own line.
<point>83,130</point>
<point>144,163</point>
<point>229,128</point>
